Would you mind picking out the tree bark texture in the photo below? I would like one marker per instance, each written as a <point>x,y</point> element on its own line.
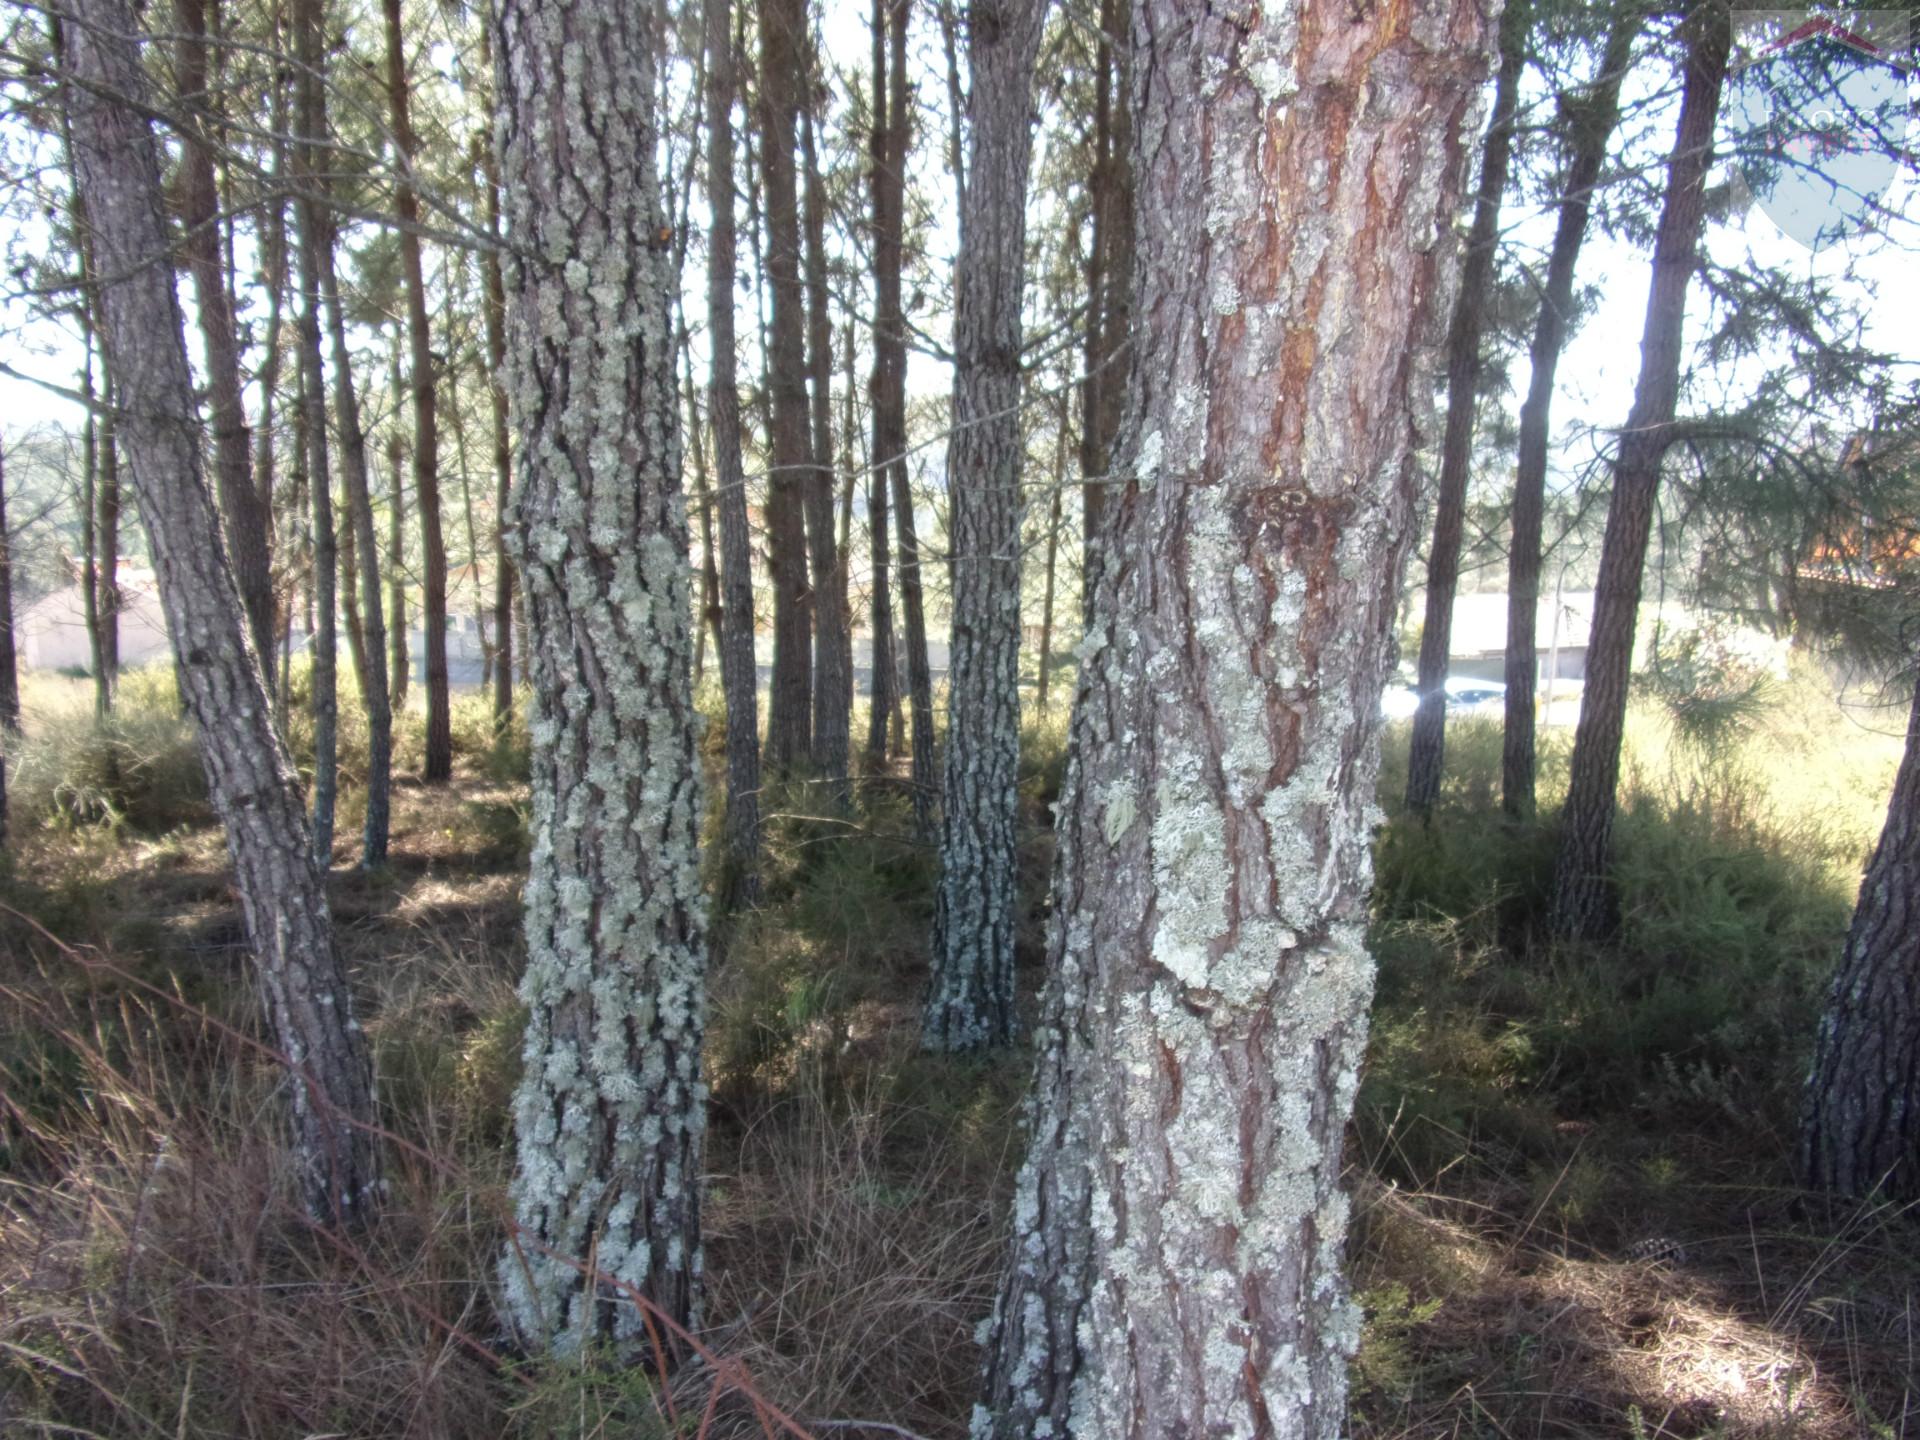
<point>1179,1223</point>
<point>248,529</point>
<point>1426,753</point>
<point>249,776</point>
<point>739,674</point>
<point>782,25</point>
<point>610,1115</point>
<point>1583,901</point>
<point>1591,118</point>
<point>438,764</point>
<point>401,668</point>
<point>1860,1114</point>
<point>970,996</point>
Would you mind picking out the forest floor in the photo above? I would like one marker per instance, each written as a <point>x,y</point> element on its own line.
<point>1574,1198</point>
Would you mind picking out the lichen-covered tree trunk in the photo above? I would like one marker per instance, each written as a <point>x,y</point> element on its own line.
<point>249,775</point>
<point>970,1000</point>
<point>1179,1224</point>
<point>240,506</point>
<point>1860,1114</point>
<point>782,24</point>
<point>1583,903</point>
<point>610,1114</point>
<point>1592,118</point>
<point>366,545</point>
<point>739,675</point>
<point>437,766</point>
<point>1426,751</point>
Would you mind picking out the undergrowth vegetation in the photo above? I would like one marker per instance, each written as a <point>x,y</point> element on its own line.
<point>1574,1210</point>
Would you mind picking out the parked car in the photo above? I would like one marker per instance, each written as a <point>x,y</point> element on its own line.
<point>1465,696</point>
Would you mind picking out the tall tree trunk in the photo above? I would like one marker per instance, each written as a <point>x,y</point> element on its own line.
<point>739,673</point>
<point>89,532</point>
<point>885,185</point>
<point>1860,1114</point>
<point>310,49</point>
<point>363,538</point>
<point>247,524</point>
<point>703,496</point>
<point>610,1116</point>
<point>9,664</point>
<point>107,532</point>
<point>970,997</point>
<point>495,311</point>
<point>401,665</point>
<point>1179,1224</point>
<point>1426,754</point>
<point>789,723</point>
<point>350,605</point>
<point>438,765</point>
<point>249,775</point>
<point>1583,902</point>
<point>919,688</point>
<point>956,98</point>
<point>1054,508</point>
<point>832,639</point>
<point>1109,280</point>
<point>273,269</point>
<point>1592,118</point>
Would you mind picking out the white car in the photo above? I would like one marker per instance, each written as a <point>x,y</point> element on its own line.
<point>1465,696</point>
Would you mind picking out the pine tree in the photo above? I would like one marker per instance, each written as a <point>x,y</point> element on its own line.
<point>1426,753</point>
<point>970,1000</point>
<point>1582,903</point>
<point>1176,1262</point>
<point>1592,117</point>
<point>249,774</point>
<point>609,1118</point>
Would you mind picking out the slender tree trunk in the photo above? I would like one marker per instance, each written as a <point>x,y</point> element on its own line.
<point>249,775</point>
<point>9,664</point>
<point>1583,902</point>
<point>919,688</point>
<point>610,1116</point>
<point>1179,1223</point>
<point>248,528</point>
<point>273,244</point>
<point>703,496</point>
<point>885,185</point>
<point>1426,755</point>
<point>739,673</point>
<point>362,537</point>
<point>438,766</point>
<point>89,536</point>
<point>832,640</point>
<point>956,99</point>
<point>1592,118</point>
<point>401,666</point>
<point>495,312</point>
<point>350,605</point>
<point>107,534</point>
<point>970,998</point>
<point>1860,1114</point>
<point>793,481</point>
<point>1054,508</point>
<point>315,234</point>
<point>1109,280</point>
